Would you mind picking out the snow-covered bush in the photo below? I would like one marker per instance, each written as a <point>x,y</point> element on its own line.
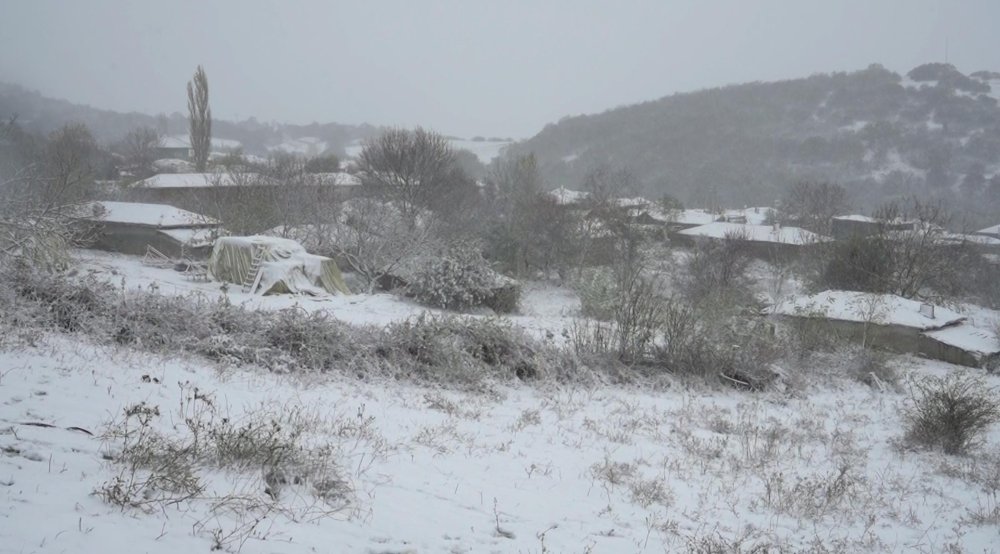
<point>459,350</point>
<point>695,340</point>
<point>315,340</point>
<point>598,292</point>
<point>461,278</point>
<point>950,413</point>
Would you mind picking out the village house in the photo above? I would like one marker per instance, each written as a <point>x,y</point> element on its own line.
<point>762,241</point>
<point>209,192</point>
<point>132,228</point>
<point>896,324</point>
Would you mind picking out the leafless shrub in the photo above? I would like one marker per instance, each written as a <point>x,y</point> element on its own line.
<point>377,239</point>
<point>157,469</point>
<point>813,496</point>
<point>871,367</point>
<point>646,492</point>
<point>950,413</point>
<point>613,474</point>
<point>746,543</point>
<point>630,300</point>
<point>718,269</point>
<point>709,342</point>
<point>153,470</point>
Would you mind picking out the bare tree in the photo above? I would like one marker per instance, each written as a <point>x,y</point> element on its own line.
<point>414,169</point>
<point>42,182</point>
<point>605,183</point>
<point>200,115</point>
<point>139,151</point>
<point>926,259</point>
<point>813,205</point>
<point>376,239</point>
<point>718,270</point>
<point>912,254</point>
<point>68,165</point>
<point>607,225</point>
<point>515,185</point>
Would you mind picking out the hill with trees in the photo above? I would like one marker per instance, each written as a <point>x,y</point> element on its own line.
<point>933,133</point>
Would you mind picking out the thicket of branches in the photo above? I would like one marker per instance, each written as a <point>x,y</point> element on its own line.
<point>911,253</point>
<point>43,182</point>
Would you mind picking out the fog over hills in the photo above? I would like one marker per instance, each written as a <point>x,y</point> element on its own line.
<point>933,131</point>
<point>38,113</point>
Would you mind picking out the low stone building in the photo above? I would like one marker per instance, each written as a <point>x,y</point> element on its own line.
<point>893,323</point>
<point>766,242</point>
<point>132,227</point>
<point>217,193</point>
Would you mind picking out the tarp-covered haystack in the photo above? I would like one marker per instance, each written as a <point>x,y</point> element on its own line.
<point>284,266</point>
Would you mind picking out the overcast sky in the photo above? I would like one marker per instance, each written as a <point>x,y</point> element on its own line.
<point>463,67</point>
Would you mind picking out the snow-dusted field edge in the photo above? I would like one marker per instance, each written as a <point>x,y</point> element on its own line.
<point>542,468</point>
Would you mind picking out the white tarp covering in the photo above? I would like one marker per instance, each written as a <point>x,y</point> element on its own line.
<point>286,267</point>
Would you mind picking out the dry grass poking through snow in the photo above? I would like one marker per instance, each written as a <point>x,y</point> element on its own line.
<point>487,465</point>
<point>270,460</point>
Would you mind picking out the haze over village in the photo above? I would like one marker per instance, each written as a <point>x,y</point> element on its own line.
<point>404,277</point>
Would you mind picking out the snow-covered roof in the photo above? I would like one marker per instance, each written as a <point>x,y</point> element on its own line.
<point>183,141</point>
<point>959,238</point>
<point>564,195</point>
<point>339,179</point>
<point>173,165</point>
<point>303,146</point>
<point>856,217</point>
<point>755,233</point>
<point>994,230</point>
<point>191,237</point>
<point>136,213</point>
<point>188,180</point>
<point>754,215</point>
<point>684,217</point>
<point>174,142</point>
<point>630,202</point>
<point>971,339</point>
<point>861,307</point>
<point>270,243</point>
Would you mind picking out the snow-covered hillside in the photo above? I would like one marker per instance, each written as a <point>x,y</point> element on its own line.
<point>672,466</point>
<point>558,469</point>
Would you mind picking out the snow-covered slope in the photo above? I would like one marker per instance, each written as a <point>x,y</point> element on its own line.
<point>521,470</point>
<point>530,468</point>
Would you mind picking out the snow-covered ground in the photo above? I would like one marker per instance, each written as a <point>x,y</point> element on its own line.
<point>547,468</point>
<point>546,310</point>
<point>518,470</point>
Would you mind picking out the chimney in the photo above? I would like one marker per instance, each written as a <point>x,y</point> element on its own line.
<point>927,310</point>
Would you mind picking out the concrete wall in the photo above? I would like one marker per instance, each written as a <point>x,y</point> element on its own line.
<point>894,338</point>
<point>767,251</point>
<point>133,239</point>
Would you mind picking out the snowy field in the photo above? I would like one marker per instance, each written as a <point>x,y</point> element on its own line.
<point>680,467</point>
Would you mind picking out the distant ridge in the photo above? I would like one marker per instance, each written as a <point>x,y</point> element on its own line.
<point>933,132</point>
